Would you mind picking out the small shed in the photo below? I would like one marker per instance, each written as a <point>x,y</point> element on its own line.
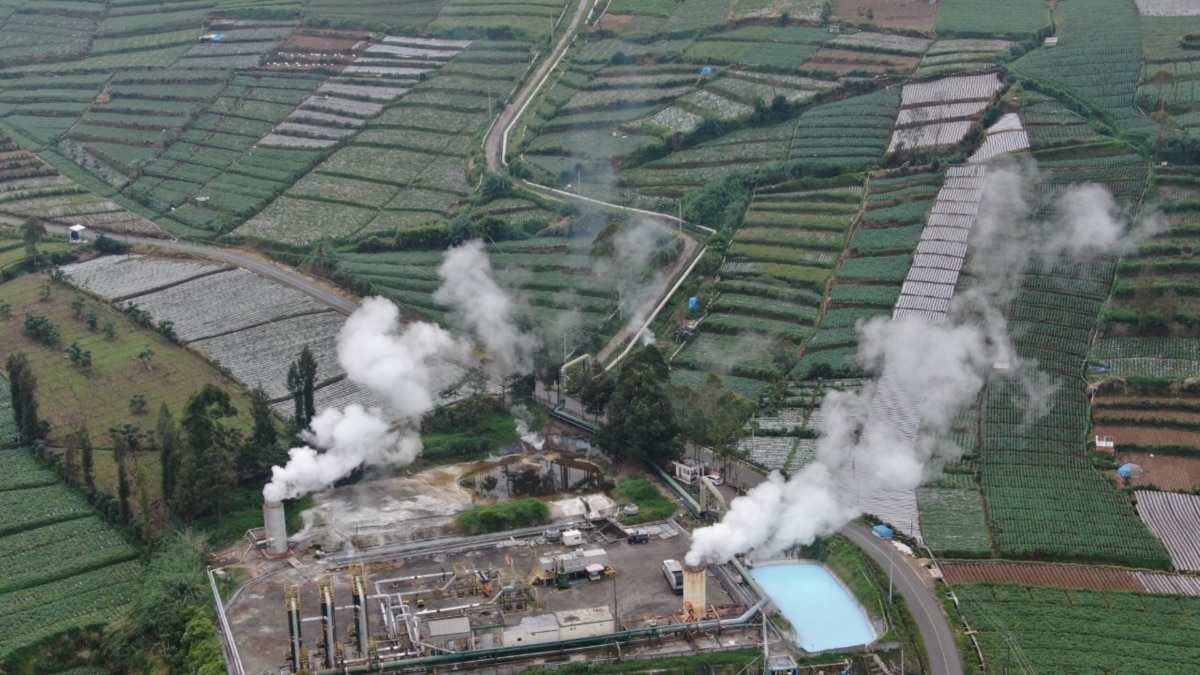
<point>1051,41</point>
<point>688,470</point>
<point>453,634</point>
<point>581,623</point>
<point>76,233</point>
<point>883,531</point>
<point>532,630</point>
<point>1106,444</point>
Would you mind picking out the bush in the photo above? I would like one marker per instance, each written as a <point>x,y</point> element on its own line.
<point>652,503</point>
<point>511,516</point>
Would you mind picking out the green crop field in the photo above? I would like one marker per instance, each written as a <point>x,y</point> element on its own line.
<point>65,569</point>
<point>1105,31</point>
<point>1057,630</point>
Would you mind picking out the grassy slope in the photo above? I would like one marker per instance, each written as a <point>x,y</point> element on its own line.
<point>100,399</point>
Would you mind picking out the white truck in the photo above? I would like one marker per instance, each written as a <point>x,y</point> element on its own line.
<point>673,571</point>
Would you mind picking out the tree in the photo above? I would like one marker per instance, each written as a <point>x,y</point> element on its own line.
<point>77,306</point>
<point>5,309</point>
<point>595,388</point>
<point>32,232</point>
<point>205,467</point>
<point>296,388</point>
<point>170,445</point>
<point>307,368</point>
<point>146,356</point>
<point>92,320</point>
<point>1160,80</point>
<point>23,388</point>
<point>126,439</point>
<point>79,356</point>
<point>641,424</point>
<point>87,462</point>
<point>137,404</point>
<point>713,417</point>
<point>110,331</point>
<point>262,448</point>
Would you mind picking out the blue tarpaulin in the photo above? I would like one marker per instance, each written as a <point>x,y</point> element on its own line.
<point>883,531</point>
<point>706,70</point>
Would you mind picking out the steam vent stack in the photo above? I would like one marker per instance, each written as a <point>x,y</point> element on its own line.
<point>276,528</point>
<point>693,590</point>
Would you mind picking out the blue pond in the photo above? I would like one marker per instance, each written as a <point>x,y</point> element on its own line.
<point>823,613</point>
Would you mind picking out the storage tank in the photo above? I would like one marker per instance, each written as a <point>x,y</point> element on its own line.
<point>694,601</point>
<point>276,528</point>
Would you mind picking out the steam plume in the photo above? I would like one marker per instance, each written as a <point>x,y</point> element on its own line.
<point>484,308</point>
<point>395,361</point>
<point>937,370</point>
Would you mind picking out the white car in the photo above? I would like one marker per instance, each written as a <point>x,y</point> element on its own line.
<point>715,478</point>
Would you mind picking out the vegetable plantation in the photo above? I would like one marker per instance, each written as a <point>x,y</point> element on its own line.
<point>65,569</point>
<point>1044,497</point>
<point>1056,630</point>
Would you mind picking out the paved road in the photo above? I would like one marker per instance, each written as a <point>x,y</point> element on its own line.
<point>494,144</point>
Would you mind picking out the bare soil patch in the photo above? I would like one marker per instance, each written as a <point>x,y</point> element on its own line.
<point>329,42</point>
<point>904,14</point>
<point>616,23</point>
<point>1149,435</point>
<point>1042,574</point>
<point>1164,471</point>
<point>1143,414</point>
<point>843,61</point>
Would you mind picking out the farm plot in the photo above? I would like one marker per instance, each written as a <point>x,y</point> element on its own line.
<point>1057,630</point>
<point>1041,574</point>
<point>939,113</point>
<point>953,521</point>
<point>1149,357</point>
<point>958,56</point>
<point>82,601</point>
<point>1044,497</point>
<point>384,73</point>
<point>259,355</point>
<point>224,303</point>
<point>1105,32</point>
<point>1167,8</point>
<point>884,42</point>
<point>868,284</point>
<point>1004,137</point>
<point>853,63</point>
<point>902,15</point>
<point>117,277</point>
<point>1017,19</point>
<point>295,220</point>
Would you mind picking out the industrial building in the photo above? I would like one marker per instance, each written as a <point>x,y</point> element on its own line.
<point>494,594</point>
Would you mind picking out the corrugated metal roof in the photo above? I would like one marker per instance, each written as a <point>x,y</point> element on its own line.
<point>926,289</point>
<point>946,262</point>
<point>951,220</point>
<point>953,248</point>
<point>923,302</point>
<point>957,208</point>
<point>935,233</point>
<point>925,316</point>
<point>933,275</point>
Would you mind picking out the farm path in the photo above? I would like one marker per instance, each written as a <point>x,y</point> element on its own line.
<point>931,620</point>
<point>494,144</point>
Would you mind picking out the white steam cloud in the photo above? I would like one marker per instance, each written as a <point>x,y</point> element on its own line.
<point>887,436</point>
<point>484,308</point>
<point>396,361</point>
<point>885,452</point>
